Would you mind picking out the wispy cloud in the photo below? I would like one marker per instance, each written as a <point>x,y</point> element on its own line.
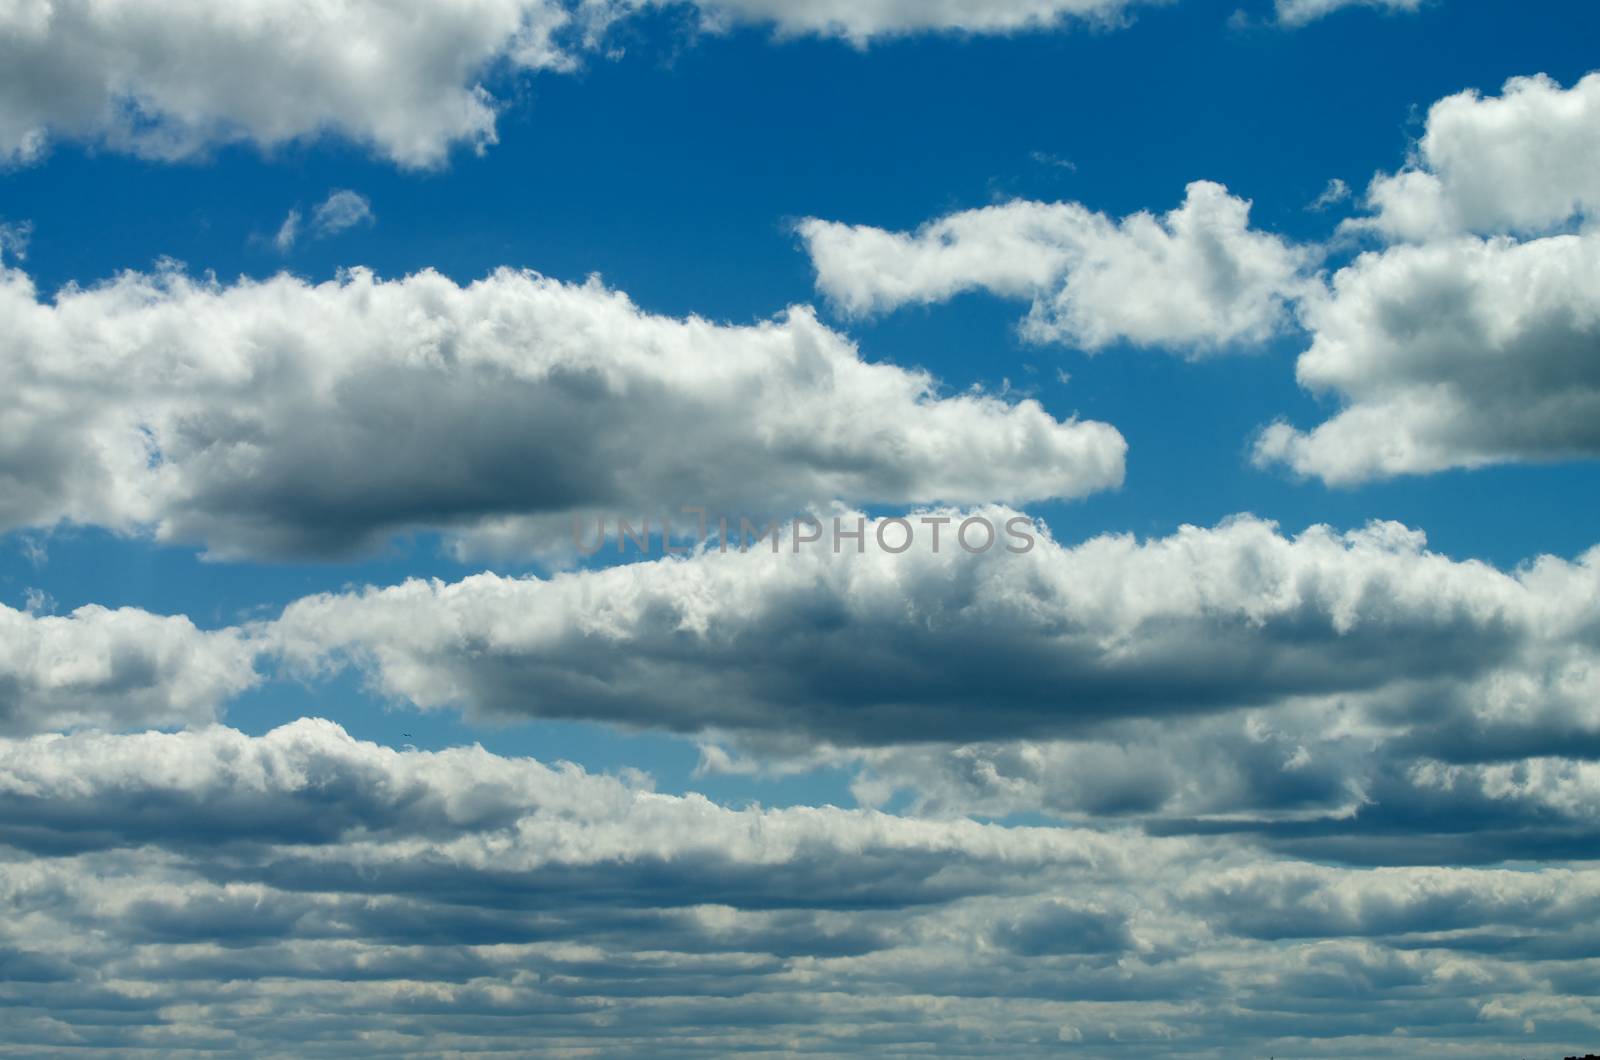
<point>342,209</point>
<point>14,238</point>
<point>288,232</point>
<point>1336,192</point>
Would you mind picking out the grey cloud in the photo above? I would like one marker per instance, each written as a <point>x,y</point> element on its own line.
<point>1302,901</point>
<point>1057,927</point>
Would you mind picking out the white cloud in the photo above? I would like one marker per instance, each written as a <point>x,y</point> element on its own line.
<point>259,418</point>
<point>1301,12</point>
<point>105,668</point>
<point>1457,353</point>
<point>1197,278</point>
<point>1468,340</point>
<point>1524,161</point>
<point>862,21</point>
<point>170,80</point>
<point>342,209</point>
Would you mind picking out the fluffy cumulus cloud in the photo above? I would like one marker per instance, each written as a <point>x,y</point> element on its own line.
<point>169,80</point>
<point>1469,338</point>
<point>101,668</point>
<point>1524,161</point>
<point>1301,12</point>
<point>1198,277</point>
<point>1454,353</point>
<point>288,418</point>
<point>1465,340</point>
<point>303,893</point>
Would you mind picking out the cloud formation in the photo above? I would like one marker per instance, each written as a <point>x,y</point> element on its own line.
<point>340,211</point>
<point>863,21</point>
<point>1326,679</point>
<point>1453,353</point>
<point>878,648</point>
<point>1464,341</point>
<point>248,889</point>
<point>114,669</point>
<point>14,239</point>
<point>1302,12</point>
<point>1468,339</point>
<point>170,81</point>
<point>1197,278</point>
<point>1524,161</point>
<point>283,418</point>
<point>288,233</point>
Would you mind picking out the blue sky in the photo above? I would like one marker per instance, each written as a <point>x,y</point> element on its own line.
<point>1431,703</point>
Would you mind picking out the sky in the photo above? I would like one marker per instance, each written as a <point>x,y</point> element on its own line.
<point>1275,323</point>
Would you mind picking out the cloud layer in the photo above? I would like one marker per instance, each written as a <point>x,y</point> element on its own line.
<point>1332,695</point>
<point>1106,641</point>
<point>282,418</point>
<point>865,648</point>
<point>303,893</point>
